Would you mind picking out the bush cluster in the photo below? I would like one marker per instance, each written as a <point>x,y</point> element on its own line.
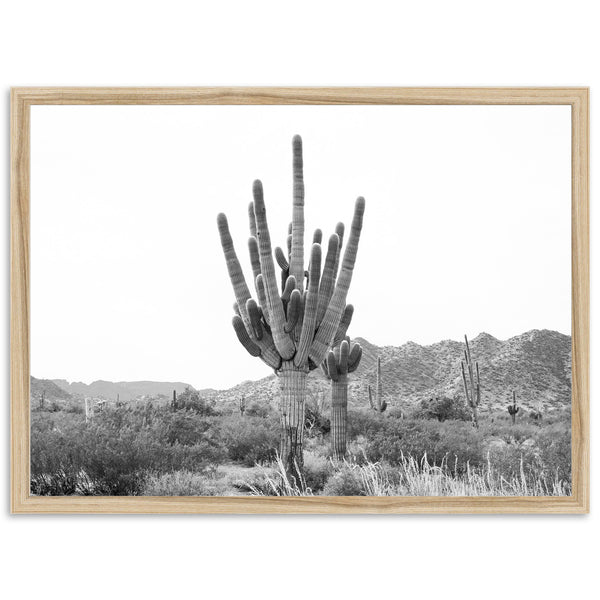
<point>133,449</point>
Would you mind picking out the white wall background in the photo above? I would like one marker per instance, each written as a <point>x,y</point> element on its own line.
<point>264,43</point>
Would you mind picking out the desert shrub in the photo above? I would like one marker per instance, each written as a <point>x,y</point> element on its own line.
<point>317,470</point>
<point>442,409</point>
<point>554,444</point>
<point>365,422</point>
<point>455,442</point>
<point>397,412</point>
<point>249,440</point>
<point>112,454</point>
<point>187,428</point>
<point>344,482</point>
<point>257,409</point>
<point>59,483</point>
<point>180,483</point>
<point>562,415</point>
<point>506,431</point>
<point>191,400</point>
<point>356,450</point>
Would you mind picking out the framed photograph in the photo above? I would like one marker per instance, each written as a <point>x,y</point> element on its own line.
<point>300,300</point>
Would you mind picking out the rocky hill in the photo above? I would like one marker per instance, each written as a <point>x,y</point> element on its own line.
<point>535,364</point>
<point>46,389</point>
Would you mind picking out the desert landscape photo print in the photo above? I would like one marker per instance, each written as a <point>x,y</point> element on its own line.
<point>300,301</point>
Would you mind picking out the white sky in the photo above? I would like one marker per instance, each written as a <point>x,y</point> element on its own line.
<point>467,226</point>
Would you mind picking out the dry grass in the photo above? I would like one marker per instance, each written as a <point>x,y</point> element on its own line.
<point>417,478</point>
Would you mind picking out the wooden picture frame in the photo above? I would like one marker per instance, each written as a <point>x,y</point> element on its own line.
<point>21,101</point>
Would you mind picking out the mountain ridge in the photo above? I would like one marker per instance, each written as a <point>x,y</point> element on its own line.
<point>535,364</point>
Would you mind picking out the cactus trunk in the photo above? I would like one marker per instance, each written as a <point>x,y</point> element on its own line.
<point>291,408</point>
<point>339,416</point>
<point>474,417</point>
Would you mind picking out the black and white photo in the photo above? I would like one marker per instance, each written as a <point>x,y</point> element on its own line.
<point>301,300</point>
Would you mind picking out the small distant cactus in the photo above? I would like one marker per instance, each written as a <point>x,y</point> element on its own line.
<point>513,409</point>
<point>89,409</point>
<point>42,399</point>
<point>472,384</point>
<point>174,400</point>
<point>242,405</point>
<point>341,361</point>
<point>378,404</point>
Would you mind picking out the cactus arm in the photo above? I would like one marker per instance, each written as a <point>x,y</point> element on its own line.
<point>310,308</point>
<point>262,298</point>
<point>254,258</point>
<point>470,372</point>
<point>268,352</point>
<point>344,352</point>
<point>344,324</point>
<point>236,275</point>
<point>298,329</point>
<point>467,351</point>
<point>242,293</point>
<point>236,309</point>
<point>339,230</point>
<point>293,310</point>
<point>332,367</point>
<point>290,285</point>
<point>242,334</point>
<point>354,357</point>
<point>317,236</point>
<point>334,312</point>
<point>252,219</point>
<point>283,343</point>
<point>254,316</point>
<point>336,353</point>
<point>297,247</point>
<point>281,260</point>
<point>328,277</point>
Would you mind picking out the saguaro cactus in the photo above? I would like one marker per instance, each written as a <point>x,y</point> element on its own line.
<point>378,404</point>
<point>472,384</point>
<point>291,331</point>
<point>174,401</point>
<point>341,361</point>
<point>242,405</point>
<point>513,409</point>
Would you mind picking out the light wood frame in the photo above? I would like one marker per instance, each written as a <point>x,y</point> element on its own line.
<point>21,101</point>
